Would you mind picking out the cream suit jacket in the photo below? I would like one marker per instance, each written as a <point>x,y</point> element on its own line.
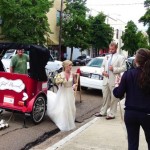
<point>119,66</point>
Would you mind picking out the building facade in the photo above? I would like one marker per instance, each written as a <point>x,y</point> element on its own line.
<point>119,28</point>
<point>54,22</point>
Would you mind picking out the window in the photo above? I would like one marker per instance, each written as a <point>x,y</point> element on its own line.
<point>58,18</point>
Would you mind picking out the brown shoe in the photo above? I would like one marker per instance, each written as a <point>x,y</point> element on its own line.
<point>99,115</point>
<point>109,118</point>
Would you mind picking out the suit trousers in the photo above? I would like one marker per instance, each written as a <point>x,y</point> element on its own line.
<point>133,121</point>
<point>109,101</point>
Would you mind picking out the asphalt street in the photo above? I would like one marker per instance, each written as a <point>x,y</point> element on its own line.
<point>17,137</point>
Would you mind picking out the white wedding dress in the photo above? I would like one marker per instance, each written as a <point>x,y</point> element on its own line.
<point>61,106</point>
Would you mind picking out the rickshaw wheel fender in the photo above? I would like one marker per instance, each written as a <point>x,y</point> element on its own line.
<point>31,102</point>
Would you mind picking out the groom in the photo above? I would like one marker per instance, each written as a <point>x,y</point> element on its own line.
<point>113,65</point>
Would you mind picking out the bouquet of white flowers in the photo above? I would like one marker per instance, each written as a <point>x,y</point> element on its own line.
<point>59,79</point>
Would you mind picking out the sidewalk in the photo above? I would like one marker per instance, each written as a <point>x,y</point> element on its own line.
<point>99,134</point>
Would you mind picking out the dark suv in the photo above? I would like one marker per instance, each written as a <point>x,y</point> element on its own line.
<point>81,60</point>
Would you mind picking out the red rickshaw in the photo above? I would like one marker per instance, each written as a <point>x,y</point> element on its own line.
<point>25,93</point>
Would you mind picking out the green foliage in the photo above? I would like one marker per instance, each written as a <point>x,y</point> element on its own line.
<point>75,26</point>
<point>101,33</point>
<point>146,17</point>
<point>133,39</point>
<point>142,40</point>
<point>146,3</point>
<point>25,21</point>
<point>81,32</point>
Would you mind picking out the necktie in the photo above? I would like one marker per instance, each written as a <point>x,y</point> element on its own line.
<point>109,63</point>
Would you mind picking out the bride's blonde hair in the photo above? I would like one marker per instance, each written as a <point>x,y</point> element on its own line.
<point>66,63</point>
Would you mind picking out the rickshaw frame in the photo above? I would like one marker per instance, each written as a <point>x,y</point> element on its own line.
<point>22,93</point>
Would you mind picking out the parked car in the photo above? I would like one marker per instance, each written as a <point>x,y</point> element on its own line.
<point>52,65</point>
<point>9,53</point>
<point>81,60</point>
<point>91,74</point>
<point>130,61</point>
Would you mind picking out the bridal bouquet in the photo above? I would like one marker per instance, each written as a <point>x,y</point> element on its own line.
<point>58,79</point>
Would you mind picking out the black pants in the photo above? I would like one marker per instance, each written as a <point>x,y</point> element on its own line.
<point>133,121</point>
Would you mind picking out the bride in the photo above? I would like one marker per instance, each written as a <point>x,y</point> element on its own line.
<point>61,106</point>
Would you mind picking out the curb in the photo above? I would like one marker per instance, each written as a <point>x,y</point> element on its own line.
<point>72,135</point>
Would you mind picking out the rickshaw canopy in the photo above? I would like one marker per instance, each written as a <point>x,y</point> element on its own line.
<point>38,55</point>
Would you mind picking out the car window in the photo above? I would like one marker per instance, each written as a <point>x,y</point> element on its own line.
<point>95,62</point>
<point>80,57</point>
<point>7,56</point>
<point>9,53</point>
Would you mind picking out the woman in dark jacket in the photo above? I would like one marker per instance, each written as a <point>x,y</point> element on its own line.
<point>136,84</point>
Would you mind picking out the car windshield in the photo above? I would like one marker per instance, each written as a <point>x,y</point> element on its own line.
<point>81,57</point>
<point>8,54</point>
<point>95,62</point>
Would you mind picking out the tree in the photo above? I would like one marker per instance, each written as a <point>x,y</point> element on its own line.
<point>146,18</point>
<point>142,40</point>
<point>129,38</point>
<point>25,21</point>
<point>100,32</point>
<point>133,39</point>
<point>75,26</point>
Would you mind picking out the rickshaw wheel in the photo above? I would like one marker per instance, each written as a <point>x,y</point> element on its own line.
<point>39,109</point>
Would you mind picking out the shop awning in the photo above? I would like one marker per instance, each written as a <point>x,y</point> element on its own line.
<point>52,41</point>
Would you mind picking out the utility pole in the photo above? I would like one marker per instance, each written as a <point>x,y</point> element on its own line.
<point>60,30</point>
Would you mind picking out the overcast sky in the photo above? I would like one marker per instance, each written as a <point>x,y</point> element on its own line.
<point>124,10</point>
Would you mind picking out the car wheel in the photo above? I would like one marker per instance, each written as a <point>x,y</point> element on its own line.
<point>38,110</point>
<point>83,88</point>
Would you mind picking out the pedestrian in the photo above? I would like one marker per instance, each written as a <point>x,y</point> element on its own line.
<point>135,85</point>
<point>18,62</point>
<point>61,106</point>
<point>114,64</point>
